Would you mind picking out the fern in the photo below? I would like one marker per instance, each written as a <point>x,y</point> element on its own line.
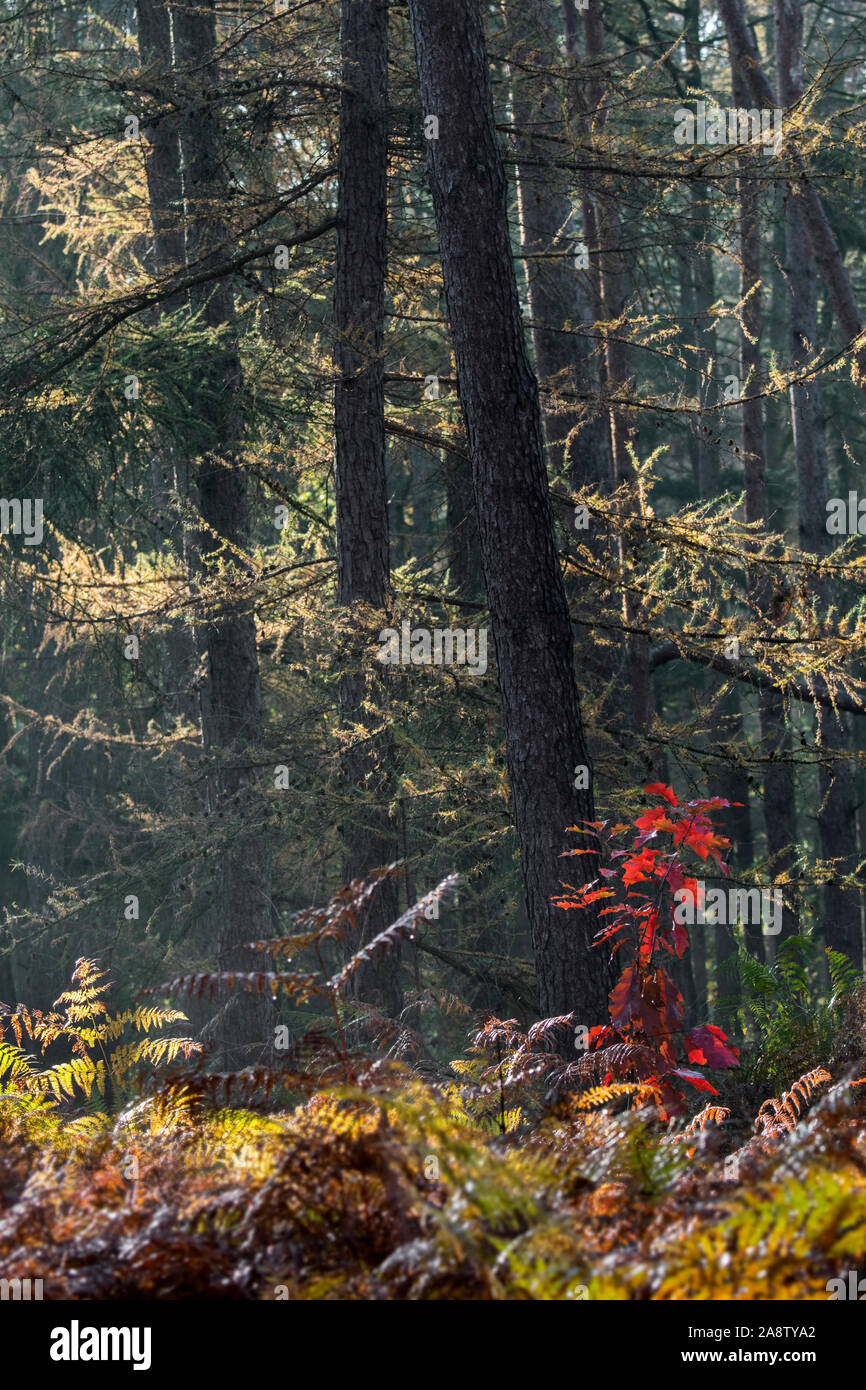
<point>604,1095</point>
<point>100,1065</point>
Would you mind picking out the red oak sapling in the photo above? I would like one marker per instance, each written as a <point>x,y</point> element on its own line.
<point>646,1008</point>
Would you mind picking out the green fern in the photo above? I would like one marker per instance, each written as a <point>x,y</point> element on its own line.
<point>100,1065</point>
<point>786,1006</point>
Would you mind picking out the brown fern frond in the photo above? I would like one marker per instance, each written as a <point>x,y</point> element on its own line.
<point>710,1115</point>
<point>504,1033</point>
<point>619,1059</point>
<point>297,985</point>
<point>405,926</point>
<point>777,1117</point>
<point>333,922</point>
<point>549,1030</point>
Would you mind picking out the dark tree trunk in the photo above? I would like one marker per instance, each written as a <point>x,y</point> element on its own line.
<point>499,395</point>
<point>779,798</point>
<point>363,570</point>
<point>557,303</point>
<point>464,559</point>
<point>836,820</point>
<point>231,701</point>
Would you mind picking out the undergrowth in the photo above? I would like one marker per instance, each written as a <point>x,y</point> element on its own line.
<point>129,1170</point>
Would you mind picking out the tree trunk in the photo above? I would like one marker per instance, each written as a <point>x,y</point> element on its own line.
<point>836,820</point>
<point>169,473</point>
<point>557,305</point>
<point>746,59</point>
<point>231,703</point>
<point>363,569</point>
<point>779,798</point>
<point>619,375</point>
<point>499,396</point>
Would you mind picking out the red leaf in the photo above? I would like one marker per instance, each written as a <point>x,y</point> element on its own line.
<point>699,1082</point>
<point>637,864</point>
<point>708,1046</point>
<point>654,819</point>
<point>659,789</point>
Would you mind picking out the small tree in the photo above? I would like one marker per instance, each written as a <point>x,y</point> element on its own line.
<point>646,1008</point>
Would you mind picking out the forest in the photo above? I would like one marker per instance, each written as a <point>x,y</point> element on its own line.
<point>433,651</point>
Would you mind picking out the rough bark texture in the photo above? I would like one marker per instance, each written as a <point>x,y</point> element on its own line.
<point>836,817</point>
<point>363,568</point>
<point>557,303</point>
<point>231,702</point>
<point>499,396</point>
<point>779,799</point>
<point>746,59</point>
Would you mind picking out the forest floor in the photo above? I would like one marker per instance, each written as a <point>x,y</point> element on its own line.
<point>395,1192</point>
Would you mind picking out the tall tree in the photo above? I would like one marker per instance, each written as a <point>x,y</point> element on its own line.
<point>836,816</point>
<point>557,302</point>
<point>746,59</point>
<point>231,696</point>
<point>545,743</point>
<point>363,568</point>
<point>779,799</point>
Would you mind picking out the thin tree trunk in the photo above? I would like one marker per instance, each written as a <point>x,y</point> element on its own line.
<point>779,797</point>
<point>169,473</point>
<point>499,395</point>
<point>231,705</point>
<point>557,305</point>
<point>836,820</point>
<point>363,570</point>
<point>619,373</point>
<point>746,59</point>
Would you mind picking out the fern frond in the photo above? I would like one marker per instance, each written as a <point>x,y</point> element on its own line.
<point>710,1115</point>
<point>15,1065</point>
<point>777,1117</point>
<point>603,1095</point>
<point>405,926</point>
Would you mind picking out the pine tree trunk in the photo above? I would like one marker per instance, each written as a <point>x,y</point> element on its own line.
<point>231,699</point>
<point>557,304</point>
<point>779,798</point>
<point>363,569</point>
<point>836,820</point>
<point>499,396</point>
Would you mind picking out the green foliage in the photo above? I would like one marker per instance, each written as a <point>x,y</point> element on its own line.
<point>100,1062</point>
<point>789,1006</point>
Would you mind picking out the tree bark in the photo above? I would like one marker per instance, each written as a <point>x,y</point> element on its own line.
<point>836,819</point>
<point>499,396</point>
<point>779,797</point>
<point>363,569</point>
<point>231,699</point>
<point>557,304</point>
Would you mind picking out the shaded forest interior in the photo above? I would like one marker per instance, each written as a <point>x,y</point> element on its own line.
<point>433,714</point>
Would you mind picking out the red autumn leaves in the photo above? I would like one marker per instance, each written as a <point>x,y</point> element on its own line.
<point>646,1008</point>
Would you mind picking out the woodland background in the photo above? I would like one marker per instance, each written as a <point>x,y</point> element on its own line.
<point>318,319</point>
